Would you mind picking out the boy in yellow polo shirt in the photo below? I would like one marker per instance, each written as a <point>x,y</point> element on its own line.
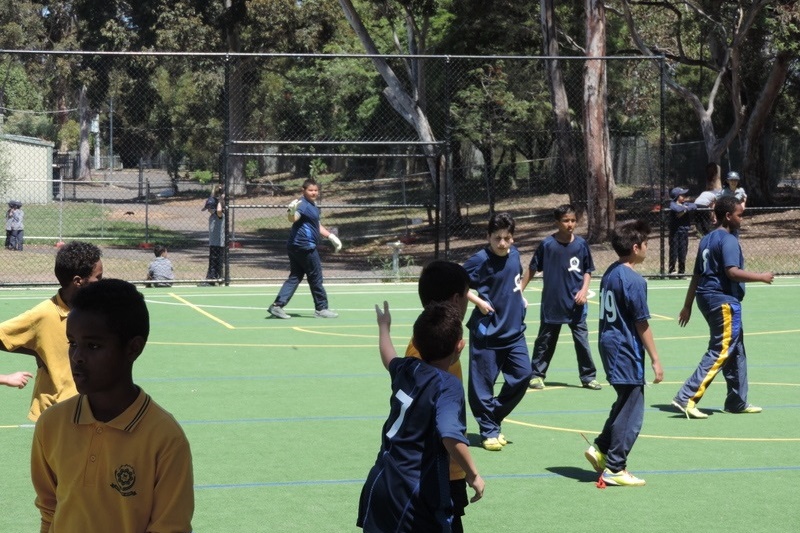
<point>110,459</point>
<point>41,331</point>
<point>446,282</point>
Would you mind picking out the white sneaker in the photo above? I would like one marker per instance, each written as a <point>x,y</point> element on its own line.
<point>325,313</point>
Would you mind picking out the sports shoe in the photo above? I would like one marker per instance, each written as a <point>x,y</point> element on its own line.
<point>592,385</point>
<point>748,409</point>
<point>277,311</point>
<point>690,412</point>
<point>596,458</point>
<point>502,439</point>
<point>623,478</point>
<point>536,383</point>
<point>492,444</point>
<point>325,313</point>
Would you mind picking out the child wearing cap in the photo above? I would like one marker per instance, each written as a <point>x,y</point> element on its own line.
<point>732,188</point>
<point>14,225</point>
<point>680,220</point>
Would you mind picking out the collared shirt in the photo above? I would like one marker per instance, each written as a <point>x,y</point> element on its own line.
<point>132,474</point>
<point>497,281</point>
<point>623,303</point>
<point>305,230</point>
<point>563,266</point>
<point>456,472</point>
<point>43,330</point>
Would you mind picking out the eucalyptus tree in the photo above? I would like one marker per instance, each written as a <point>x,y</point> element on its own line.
<point>748,47</point>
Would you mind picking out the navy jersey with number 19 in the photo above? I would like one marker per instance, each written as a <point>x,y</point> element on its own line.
<point>408,488</point>
<point>623,303</point>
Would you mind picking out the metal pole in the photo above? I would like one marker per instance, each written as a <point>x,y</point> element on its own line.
<point>224,167</point>
<point>147,213</point>
<point>663,154</point>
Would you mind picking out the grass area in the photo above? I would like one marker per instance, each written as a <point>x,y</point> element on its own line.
<point>284,418</point>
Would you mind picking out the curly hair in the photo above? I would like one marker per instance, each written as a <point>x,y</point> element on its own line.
<point>76,258</point>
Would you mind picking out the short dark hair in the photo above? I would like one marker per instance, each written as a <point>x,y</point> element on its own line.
<point>76,258</point>
<point>500,221</point>
<point>308,182</point>
<point>564,209</point>
<point>628,233</point>
<point>159,250</point>
<point>725,205</point>
<point>439,281</point>
<point>119,303</point>
<point>437,330</point>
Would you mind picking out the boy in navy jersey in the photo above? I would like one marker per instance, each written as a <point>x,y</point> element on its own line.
<point>497,331</point>
<point>408,490</point>
<point>566,263</point>
<point>446,282</point>
<point>624,337</point>
<point>718,281</point>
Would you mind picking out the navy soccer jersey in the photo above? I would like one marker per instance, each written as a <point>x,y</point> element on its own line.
<point>498,281</point>
<point>305,230</point>
<point>408,489</point>
<point>563,266</point>
<point>718,251</point>
<point>623,303</point>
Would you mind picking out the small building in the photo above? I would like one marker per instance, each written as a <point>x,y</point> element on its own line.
<point>26,169</point>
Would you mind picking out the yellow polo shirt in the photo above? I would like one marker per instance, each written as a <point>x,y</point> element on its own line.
<point>132,474</point>
<point>43,330</point>
<point>456,472</point>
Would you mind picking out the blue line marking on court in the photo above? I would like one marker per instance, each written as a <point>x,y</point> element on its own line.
<point>539,475</point>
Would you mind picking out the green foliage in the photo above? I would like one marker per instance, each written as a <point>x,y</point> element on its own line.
<point>317,168</point>
<point>203,176</point>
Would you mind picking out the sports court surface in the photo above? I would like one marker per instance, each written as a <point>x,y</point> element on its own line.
<point>284,418</point>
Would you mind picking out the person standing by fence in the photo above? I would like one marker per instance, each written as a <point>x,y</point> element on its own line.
<point>215,205</point>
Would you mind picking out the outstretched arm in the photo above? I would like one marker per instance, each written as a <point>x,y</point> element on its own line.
<point>459,452</point>
<point>743,276</point>
<point>384,334</point>
<point>17,379</point>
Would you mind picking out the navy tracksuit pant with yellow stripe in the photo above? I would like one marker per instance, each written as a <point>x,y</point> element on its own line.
<point>725,352</point>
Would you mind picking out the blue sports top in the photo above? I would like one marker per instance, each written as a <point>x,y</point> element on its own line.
<point>677,222</point>
<point>498,281</point>
<point>408,488</point>
<point>563,266</point>
<point>718,251</point>
<point>305,230</point>
<point>623,303</point>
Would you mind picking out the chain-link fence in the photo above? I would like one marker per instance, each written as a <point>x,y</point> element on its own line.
<point>123,150</point>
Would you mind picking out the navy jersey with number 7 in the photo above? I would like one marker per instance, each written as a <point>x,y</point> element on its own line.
<point>408,488</point>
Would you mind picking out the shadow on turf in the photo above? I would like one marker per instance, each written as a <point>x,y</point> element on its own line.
<point>671,409</point>
<point>573,472</point>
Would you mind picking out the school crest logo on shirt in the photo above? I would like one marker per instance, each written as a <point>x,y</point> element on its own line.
<point>125,477</point>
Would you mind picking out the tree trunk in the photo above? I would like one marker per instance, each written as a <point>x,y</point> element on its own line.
<point>409,109</point>
<point>568,162</point>
<point>600,184</point>
<point>753,167</point>
<point>235,93</point>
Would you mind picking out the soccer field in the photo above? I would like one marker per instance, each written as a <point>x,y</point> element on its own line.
<point>284,418</point>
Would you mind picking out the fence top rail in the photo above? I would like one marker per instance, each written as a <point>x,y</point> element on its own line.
<point>228,55</point>
<point>340,143</point>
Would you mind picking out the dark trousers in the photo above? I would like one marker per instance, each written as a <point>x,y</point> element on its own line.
<point>545,347</point>
<point>304,263</point>
<point>216,262</point>
<point>622,426</point>
<point>14,239</point>
<point>678,247</point>
<point>485,365</point>
<point>726,353</point>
